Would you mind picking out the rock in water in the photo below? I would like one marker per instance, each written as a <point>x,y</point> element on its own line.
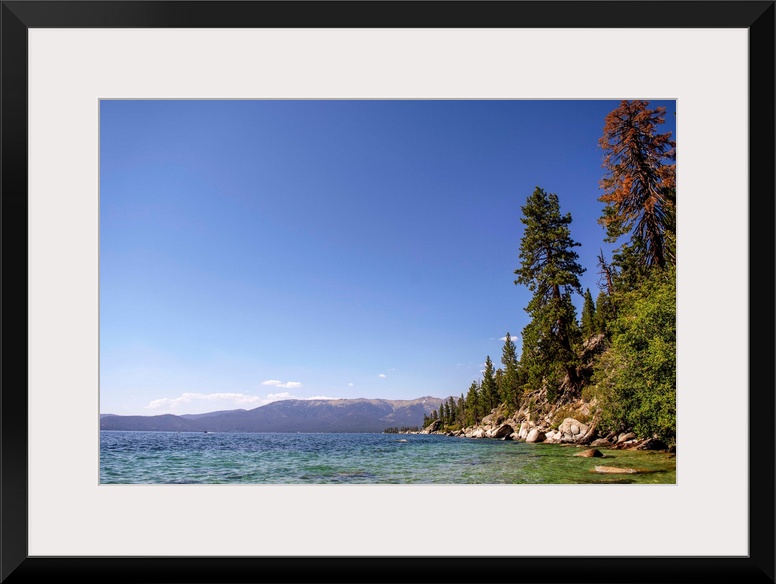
<point>590,453</point>
<point>615,470</point>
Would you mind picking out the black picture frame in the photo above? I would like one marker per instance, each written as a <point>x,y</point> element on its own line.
<point>19,16</point>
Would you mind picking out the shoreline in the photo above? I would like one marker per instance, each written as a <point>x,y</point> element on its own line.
<point>570,432</point>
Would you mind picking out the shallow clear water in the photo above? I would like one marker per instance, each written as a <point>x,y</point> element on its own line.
<point>277,458</point>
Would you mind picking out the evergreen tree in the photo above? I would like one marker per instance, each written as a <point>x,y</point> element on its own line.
<point>639,184</point>
<point>550,270</point>
<point>489,389</point>
<point>451,409</point>
<point>473,404</point>
<point>604,312</point>
<point>509,383</point>
<point>589,327</point>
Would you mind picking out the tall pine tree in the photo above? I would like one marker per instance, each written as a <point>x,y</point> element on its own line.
<point>488,388</point>
<point>473,404</point>
<point>509,382</point>
<point>588,316</point>
<point>550,269</point>
<point>639,185</point>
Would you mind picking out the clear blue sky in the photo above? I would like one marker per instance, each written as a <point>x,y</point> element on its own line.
<point>257,250</point>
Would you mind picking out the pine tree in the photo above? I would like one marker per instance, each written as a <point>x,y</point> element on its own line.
<point>550,270</point>
<point>451,410</point>
<point>604,312</point>
<point>509,383</point>
<point>639,184</point>
<point>588,315</point>
<point>473,404</point>
<point>499,378</point>
<point>489,389</point>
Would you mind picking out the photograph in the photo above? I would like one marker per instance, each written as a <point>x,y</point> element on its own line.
<point>387,291</point>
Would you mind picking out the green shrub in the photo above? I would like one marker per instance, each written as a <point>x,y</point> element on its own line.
<point>635,379</point>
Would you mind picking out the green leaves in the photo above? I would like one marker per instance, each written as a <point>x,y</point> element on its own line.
<point>635,380</point>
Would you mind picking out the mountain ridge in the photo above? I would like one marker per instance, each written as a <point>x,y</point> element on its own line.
<point>293,415</point>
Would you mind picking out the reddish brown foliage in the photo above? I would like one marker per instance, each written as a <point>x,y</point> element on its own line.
<point>640,181</point>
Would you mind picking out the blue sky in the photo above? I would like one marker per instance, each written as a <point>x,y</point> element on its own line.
<point>260,250</point>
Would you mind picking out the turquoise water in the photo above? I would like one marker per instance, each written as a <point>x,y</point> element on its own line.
<point>276,458</point>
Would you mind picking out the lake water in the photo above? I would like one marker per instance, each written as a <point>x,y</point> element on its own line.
<point>277,458</point>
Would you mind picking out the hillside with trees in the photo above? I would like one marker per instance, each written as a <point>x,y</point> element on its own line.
<point>613,368</point>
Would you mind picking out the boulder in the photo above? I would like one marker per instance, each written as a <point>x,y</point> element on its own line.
<point>572,430</point>
<point>590,453</point>
<point>535,436</point>
<point>432,427</point>
<point>478,433</point>
<point>502,431</point>
<point>523,431</point>
<point>625,437</point>
<point>653,444</point>
<point>600,443</point>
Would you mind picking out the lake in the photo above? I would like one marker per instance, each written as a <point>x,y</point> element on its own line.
<point>284,458</point>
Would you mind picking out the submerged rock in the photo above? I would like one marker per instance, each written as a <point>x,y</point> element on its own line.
<point>615,470</point>
<point>590,453</point>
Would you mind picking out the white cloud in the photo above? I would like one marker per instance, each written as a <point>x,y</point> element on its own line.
<point>209,402</point>
<point>382,375</point>
<point>233,399</point>
<point>278,383</point>
<point>350,385</point>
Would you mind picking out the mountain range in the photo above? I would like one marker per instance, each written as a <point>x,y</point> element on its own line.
<point>294,415</point>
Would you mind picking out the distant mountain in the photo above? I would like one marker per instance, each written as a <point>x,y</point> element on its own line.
<point>208,414</point>
<point>295,415</point>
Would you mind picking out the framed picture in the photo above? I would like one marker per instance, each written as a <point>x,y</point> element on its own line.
<point>63,61</point>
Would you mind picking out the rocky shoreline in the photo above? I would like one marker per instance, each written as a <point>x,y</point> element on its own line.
<point>549,428</point>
